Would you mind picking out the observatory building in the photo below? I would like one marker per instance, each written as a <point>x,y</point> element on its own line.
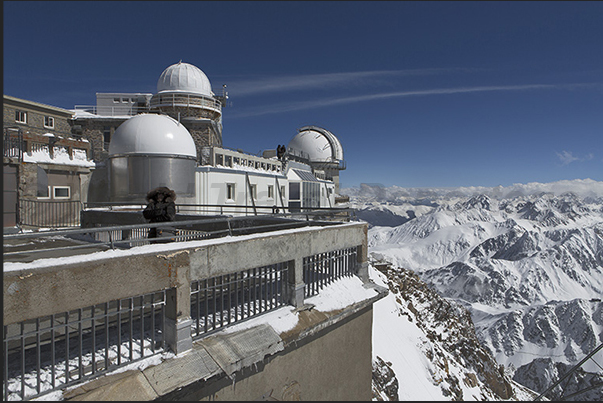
<point>321,150</point>
<point>148,151</point>
<point>184,92</point>
<point>173,138</point>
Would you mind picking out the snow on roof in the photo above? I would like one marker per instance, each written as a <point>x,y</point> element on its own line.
<point>61,156</point>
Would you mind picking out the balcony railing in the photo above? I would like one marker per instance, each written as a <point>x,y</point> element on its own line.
<point>51,341</point>
<point>13,143</point>
<point>62,349</point>
<point>185,100</point>
<point>50,213</point>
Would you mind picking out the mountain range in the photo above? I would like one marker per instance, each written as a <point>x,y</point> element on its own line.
<point>525,261</point>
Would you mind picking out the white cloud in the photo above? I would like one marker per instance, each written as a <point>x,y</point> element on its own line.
<point>322,81</point>
<point>319,103</point>
<point>567,157</point>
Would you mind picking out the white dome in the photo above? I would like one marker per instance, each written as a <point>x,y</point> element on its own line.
<point>317,144</point>
<point>184,78</point>
<point>152,134</point>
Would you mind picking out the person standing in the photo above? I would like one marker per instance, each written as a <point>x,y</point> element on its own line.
<point>161,208</point>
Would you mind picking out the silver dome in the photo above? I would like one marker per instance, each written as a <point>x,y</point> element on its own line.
<point>152,134</point>
<point>184,78</point>
<point>316,144</point>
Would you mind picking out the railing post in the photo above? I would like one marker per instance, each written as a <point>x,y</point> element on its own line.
<point>362,262</point>
<point>296,282</point>
<point>178,321</point>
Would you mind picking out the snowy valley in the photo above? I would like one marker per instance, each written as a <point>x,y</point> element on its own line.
<point>525,263</point>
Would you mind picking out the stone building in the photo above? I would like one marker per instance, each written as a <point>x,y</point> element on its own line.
<point>183,93</point>
<point>44,166</point>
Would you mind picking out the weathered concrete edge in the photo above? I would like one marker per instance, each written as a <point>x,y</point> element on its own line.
<point>114,392</point>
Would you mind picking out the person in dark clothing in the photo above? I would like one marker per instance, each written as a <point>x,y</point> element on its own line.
<point>280,152</point>
<point>161,208</point>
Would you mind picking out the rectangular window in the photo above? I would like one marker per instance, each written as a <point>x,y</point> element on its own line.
<point>116,100</point>
<point>61,192</point>
<point>270,191</point>
<point>106,137</point>
<point>230,191</point>
<point>294,192</point>
<point>20,117</point>
<point>125,100</point>
<point>49,122</point>
<point>283,191</point>
<point>254,192</point>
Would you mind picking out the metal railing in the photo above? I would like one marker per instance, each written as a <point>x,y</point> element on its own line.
<point>121,110</point>
<point>50,213</point>
<point>65,348</point>
<point>127,236</point>
<point>322,269</point>
<point>13,143</point>
<point>222,300</point>
<point>185,100</point>
<point>52,352</point>
<point>226,209</point>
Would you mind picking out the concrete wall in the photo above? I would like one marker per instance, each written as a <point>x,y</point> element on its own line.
<point>41,291</point>
<point>333,364</point>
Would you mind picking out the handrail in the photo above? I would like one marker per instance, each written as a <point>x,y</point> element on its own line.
<point>173,225</point>
<point>185,100</point>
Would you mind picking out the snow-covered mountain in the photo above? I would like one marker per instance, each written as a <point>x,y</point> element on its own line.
<point>526,261</point>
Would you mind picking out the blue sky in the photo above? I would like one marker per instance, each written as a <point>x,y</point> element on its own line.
<point>420,94</point>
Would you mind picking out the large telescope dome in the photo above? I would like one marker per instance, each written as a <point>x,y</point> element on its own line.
<point>148,151</point>
<point>316,144</point>
<point>152,134</point>
<point>184,78</point>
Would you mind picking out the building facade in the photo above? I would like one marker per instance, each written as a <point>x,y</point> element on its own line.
<point>45,167</point>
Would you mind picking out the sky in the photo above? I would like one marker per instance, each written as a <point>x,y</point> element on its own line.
<point>420,94</point>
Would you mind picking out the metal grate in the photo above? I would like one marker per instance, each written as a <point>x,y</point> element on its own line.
<point>323,268</point>
<point>52,214</point>
<point>229,298</point>
<point>51,352</point>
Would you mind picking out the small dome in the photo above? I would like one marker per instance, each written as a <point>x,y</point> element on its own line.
<point>317,144</point>
<point>152,134</point>
<point>184,78</point>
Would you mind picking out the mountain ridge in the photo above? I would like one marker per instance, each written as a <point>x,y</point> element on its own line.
<point>526,261</point>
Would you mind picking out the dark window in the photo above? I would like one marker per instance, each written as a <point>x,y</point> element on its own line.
<point>106,137</point>
<point>294,191</point>
<point>49,121</point>
<point>21,116</point>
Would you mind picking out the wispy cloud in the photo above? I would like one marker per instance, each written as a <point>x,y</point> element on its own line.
<point>322,81</point>
<point>567,157</point>
<point>320,103</point>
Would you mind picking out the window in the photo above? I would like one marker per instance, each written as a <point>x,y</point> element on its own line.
<point>283,191</point>
<point>106,137</point>
<point>49,122</point>
<point>20,117</point>
<point>294,191</point>
<point>61,192</point>
<point>116,100</point>
<point>270,191</point>
<point>230,191</point>
<point>125,100</point>
<point>219,159</point>
<point>254,192</point>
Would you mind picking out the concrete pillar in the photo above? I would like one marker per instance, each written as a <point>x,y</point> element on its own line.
<point>296,282</point>
<point>178,321</point>
<point>362,263</point>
